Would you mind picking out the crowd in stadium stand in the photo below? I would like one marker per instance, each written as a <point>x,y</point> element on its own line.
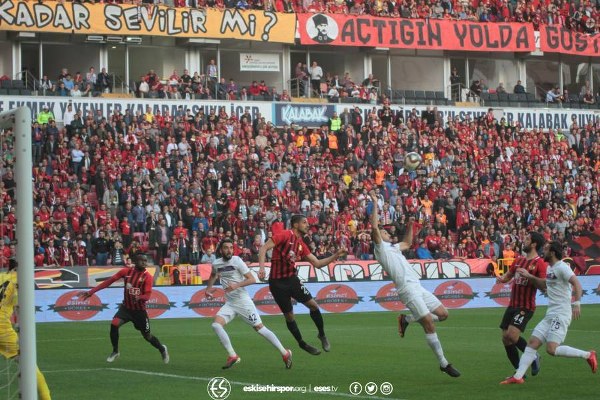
<point>174,185</point>
<point>582,15</point>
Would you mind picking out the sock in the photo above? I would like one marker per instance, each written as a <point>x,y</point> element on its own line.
<point>224,338</point>
<point>317,318</point>
<point>567,351</point>
<point>42,386</point>
<point>410,318</point>
<point>270,336</point>
<point>436,346</point>
<point>513,355</point>
<point>293,328</point>
<point>114,338</point>
<point>153,340</point>
<point>521,344</point>
<point>526,360</point>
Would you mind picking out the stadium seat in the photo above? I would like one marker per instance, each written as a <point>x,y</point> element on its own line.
<point>409,95</point>
<point>485,97</point>
<point>6,84</point>
<point>430,95</point>
<point>18,84</point>
<point>25,92</point>
<point>13,92</point>
<point>493,96</point>
<point>3,92</point>
<point>502,96</point>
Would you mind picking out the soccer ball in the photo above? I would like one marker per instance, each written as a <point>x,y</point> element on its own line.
<point>412,161</point>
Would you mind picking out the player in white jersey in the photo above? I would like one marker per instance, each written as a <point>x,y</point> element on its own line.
<point>425,308</point>
<point>552,330</point>
<point>234,275</point>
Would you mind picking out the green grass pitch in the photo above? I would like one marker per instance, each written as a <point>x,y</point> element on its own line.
<point>365,348</point>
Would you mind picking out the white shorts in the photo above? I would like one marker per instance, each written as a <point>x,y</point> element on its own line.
<point>243,307</point>
<point>552,328</point>
<point>421,302</point>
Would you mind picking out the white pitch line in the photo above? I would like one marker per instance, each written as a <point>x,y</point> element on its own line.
<point>201,378</point>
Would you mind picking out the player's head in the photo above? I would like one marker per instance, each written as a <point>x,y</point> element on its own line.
<point>386,233</point>
<point>537,241</point>
<point>226,247</point>
<point>299,222</point>
<point>140,260</point>
<point>553,251</point>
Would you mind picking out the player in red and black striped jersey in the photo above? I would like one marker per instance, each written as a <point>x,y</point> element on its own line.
<point>137,291</point>
<point>288,248</point>
<point>522,299</point>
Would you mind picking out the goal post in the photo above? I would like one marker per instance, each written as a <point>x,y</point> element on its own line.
<point>19,120</point>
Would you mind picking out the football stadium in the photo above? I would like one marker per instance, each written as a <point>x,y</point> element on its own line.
<point>285,199</point>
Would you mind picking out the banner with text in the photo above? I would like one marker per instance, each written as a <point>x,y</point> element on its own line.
<point>541,118</point>
<point>58,105</point>
<point>268,62</point>
<point>281,114</point>
<point>190,301</point>
<point>556,39</point>
<point>113,19</point>
<point>344,30</point>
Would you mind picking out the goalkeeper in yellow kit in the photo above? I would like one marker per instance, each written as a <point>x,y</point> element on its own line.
<point>9,341</point>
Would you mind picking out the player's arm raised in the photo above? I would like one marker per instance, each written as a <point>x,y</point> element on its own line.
<point>262,254</point>
<point>577,292</point>
<point>374,219</point>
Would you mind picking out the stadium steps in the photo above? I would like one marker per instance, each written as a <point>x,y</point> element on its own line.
<point>314,100</point>
<point>467,104</point>
<point>116,95</point>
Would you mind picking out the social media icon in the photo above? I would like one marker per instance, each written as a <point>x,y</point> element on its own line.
<point>355,388</point>
<point>371,388</point>
<point>386,388</point>
<point>218,388</point>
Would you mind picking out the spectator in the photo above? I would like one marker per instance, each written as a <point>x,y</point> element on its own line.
<point>500,88</point>
<point>91,77</point>
<point>588,98</point>
<point>316,73</point>
<point>45,116</point>
<point>423,252</point>
<point>104,81</point>
<point>554,96</point>
<point>519,88</point>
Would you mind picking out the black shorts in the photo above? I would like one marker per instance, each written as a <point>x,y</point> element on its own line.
<point>140,319</point>
<point>283,290</point>
<point>517,317</point>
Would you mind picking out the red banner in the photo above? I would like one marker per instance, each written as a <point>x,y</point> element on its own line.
<point>342,30</point>
<point>555,39</point>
